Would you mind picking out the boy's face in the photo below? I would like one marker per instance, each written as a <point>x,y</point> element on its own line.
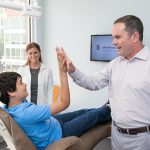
<point>21,91</point>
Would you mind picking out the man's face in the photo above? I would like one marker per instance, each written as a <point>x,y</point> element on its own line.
<point>122,41</point>
<point>21,91</point>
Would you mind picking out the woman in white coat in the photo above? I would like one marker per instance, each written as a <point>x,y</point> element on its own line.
<point>37,76</point>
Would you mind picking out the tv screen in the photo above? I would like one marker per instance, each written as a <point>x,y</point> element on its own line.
<point>102,48</point>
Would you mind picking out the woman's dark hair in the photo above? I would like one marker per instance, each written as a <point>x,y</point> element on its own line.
<point>33,45</point>
<point>7,84</point>
<point>132,24</point>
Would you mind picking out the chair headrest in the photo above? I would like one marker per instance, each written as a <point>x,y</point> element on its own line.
<point>20,139</point>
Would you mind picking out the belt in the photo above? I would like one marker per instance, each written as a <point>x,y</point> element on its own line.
<point>133,131</point>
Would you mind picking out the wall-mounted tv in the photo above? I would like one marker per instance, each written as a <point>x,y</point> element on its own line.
<point>102,48</point>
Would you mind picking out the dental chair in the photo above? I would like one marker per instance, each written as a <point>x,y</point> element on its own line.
<point>16,139</point>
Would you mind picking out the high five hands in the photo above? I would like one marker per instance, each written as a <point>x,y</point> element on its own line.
<point>64,61</point>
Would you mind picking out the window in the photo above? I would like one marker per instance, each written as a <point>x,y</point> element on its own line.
<point>14,35</point>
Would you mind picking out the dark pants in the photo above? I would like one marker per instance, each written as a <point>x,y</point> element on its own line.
<point>77,122</point>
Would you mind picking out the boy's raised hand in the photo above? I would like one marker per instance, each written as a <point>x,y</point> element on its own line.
<point>61,59</point>
<point>64,101</point>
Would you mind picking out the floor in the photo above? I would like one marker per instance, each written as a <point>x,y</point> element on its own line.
<point>103,145</point>
<point>3,145</point>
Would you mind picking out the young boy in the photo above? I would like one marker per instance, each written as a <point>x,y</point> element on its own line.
<point>40,122</point>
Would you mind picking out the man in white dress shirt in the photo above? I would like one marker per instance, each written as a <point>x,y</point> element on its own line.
<point>128,81</point>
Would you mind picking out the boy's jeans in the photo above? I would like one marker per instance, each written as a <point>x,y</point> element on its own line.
<point>77,122</point>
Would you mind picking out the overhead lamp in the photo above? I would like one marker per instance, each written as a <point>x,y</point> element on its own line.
<point>29,10</point>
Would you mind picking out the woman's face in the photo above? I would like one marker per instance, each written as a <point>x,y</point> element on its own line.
<point>33,55</point>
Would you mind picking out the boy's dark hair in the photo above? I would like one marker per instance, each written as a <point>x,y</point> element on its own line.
<point>132,24</point>
<point>7,84</point>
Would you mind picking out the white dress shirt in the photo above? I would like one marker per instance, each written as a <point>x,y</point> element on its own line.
<point>128,83</point>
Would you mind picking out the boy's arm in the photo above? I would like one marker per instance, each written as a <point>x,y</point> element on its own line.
<point>64,101</point>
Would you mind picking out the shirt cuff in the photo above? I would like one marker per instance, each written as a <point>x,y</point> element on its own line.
<point>76,74</point>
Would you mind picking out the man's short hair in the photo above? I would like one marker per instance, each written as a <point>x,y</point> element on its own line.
<point>132,24</point>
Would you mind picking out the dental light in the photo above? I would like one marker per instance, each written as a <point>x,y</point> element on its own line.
<point>33,9</point>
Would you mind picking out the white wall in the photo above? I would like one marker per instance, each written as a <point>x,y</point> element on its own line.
<point>69,23</point>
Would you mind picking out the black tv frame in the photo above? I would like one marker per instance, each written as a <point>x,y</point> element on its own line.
<point>99,52</point>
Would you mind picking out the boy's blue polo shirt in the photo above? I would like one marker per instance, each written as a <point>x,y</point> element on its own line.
<point>37,122</point>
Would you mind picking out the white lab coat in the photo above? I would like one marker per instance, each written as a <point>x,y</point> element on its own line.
<point>45,83</point>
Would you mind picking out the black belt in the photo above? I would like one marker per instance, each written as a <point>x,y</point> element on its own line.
<point>133,131</point>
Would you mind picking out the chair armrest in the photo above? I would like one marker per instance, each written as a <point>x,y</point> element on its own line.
<point>64,143</point>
